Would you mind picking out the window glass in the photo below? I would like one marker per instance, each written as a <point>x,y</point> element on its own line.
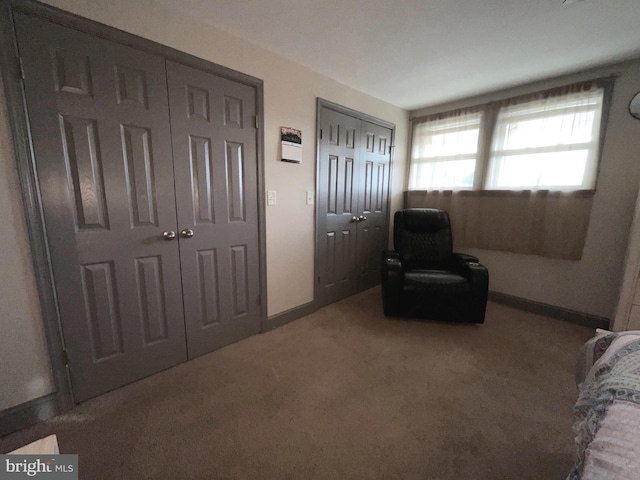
<point>444,152</point>
<point>550,143</point>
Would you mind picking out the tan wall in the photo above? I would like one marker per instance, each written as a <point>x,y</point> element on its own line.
<point>290,93</point>
<point>590,285</point>
<point>24,363</point>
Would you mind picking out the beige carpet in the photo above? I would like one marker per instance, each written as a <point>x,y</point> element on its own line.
<point>344,394</point>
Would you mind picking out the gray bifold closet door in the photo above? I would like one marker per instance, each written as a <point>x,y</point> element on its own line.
<point>133,298</point>
<point>353,194</point>
<point>214,151</point>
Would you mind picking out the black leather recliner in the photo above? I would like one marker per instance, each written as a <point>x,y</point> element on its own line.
<point>423,278</point>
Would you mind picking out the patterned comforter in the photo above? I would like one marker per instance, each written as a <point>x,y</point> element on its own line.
<point>607,413</point>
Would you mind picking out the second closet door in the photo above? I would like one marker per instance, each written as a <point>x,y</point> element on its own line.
<point>353,197</point>
<point>215,164</point>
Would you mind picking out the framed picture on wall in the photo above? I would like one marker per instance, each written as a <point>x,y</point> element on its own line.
<point>291,145</point>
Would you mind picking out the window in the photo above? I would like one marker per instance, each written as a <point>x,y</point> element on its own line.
<point>445,152</point>
<point>550,143</point>
<point>548,140</point>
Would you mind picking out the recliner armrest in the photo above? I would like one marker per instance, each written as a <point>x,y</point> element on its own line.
<point>472,271</point>
<point>478,277</point>
<point>459,262</point>
<point>391,270</point>
<point>476,272</point>
<point>392,259</point>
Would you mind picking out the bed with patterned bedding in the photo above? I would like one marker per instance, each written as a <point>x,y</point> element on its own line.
<point>607,413</point>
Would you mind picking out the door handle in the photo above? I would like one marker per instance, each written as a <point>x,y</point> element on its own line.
<point>362,218</point>
<point>187,233</point>
<point>169,235</point>
<point>355,219</point>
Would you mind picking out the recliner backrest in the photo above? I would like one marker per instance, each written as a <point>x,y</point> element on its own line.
<point>422,236</point>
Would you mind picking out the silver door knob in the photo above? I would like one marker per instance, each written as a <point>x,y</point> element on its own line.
<point>187,233</point>
<point>354,219</point>
<point>169,235</point>
<point>362,218</point>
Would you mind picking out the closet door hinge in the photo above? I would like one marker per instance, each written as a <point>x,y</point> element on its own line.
<point>19,67</point>
<point>65,358</point>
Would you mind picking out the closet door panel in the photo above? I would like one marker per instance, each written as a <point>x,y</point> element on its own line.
<point>337,204</point>
<point>99,121</point>
<point>215,160</point>
<point>373,195</point>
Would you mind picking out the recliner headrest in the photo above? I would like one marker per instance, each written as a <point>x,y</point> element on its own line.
<point>423,220</point>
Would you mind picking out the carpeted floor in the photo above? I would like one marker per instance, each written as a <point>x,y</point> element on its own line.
<point>344,394</point>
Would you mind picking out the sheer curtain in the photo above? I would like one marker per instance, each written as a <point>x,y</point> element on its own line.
<point>540,222</point>
<point>445,150</point>
<point>518,174</point>
<point>548,140</point>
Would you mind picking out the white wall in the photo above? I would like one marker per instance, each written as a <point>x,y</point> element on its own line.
<point>290,93</point>
<point>24,362</point>
<point>590,285</point>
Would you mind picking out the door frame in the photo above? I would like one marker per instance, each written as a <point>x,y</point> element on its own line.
<point>27,176</point>
<point>320,104</point>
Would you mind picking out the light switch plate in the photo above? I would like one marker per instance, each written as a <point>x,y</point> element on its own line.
<point>272,198</point>
<point>310,198</point>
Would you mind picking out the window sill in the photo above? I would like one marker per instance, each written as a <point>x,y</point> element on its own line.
<point>504,193</point>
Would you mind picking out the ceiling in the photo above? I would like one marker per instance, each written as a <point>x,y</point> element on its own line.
<point>417,53</point>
